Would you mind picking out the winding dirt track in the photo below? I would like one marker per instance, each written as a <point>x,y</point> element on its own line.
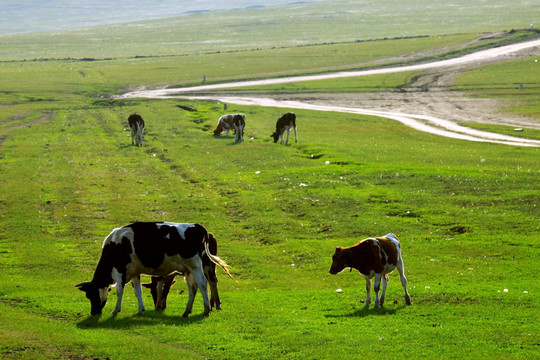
<point>426,105</point>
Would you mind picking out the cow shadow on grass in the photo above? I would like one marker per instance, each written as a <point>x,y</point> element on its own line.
<point>149,318</point>
<point>363,312</point>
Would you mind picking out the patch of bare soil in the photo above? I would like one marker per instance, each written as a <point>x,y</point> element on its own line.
<point>430,95</point>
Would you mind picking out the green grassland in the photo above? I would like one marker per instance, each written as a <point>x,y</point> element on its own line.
<point>466,213</point>
<point>298,24</point>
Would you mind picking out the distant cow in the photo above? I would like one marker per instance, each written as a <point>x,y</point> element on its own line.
<point>152,248</point>
<point>136,127</point>
<point>160,285</point>
<point>373,257</point>
<point>225,123</point>
<point>239,124</point>
<point>285,122</point>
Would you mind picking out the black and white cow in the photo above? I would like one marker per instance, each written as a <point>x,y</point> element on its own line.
<point>285,122</point>
<point>136,127</point>
<point>152,248</point>
<point>239,124</point>
<point>161,285</point>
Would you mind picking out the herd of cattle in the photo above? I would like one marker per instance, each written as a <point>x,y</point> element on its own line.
<point>235,122</point>
<point>164,250</point>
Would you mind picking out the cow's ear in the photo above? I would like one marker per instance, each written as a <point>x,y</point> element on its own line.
<point>83,286</point>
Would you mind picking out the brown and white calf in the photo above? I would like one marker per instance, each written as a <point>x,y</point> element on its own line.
<point>373,257</point>
<point>225,123</point>
<point>160,285</point>
<point>136,127</point>
<point>152,248</point>
<point>285,122</point>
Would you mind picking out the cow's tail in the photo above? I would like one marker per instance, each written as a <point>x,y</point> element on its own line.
<point>216,260</point>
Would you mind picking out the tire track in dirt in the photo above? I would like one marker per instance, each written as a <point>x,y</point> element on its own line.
<point>42,118</point>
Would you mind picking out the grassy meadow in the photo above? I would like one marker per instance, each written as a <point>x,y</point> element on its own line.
<point>466,213</point>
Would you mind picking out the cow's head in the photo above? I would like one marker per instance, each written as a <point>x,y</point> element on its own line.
<point>339,260</point>
<point>275,135</point>
<point>97,296</point>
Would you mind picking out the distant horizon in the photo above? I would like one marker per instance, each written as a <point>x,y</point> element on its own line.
<point>28,16</point>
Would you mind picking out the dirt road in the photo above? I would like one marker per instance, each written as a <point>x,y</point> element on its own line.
<point>426,105</point>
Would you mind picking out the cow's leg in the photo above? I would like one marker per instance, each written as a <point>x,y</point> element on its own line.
<point>168,281</point>
<point>210,274</point>
<point>287,142</point>
<point>192,291</point>
<point>368,290</point>
<point>139,136</point>
<point>201,283</point>
<point>159,294</point>
<point>227,132</point>
<point>119,295</point>
<point>403,280</point>
<point>383,291</point>
<point>295,137</point>
<point>214,296</point>
<point>281,141</point>
<point>137,289</point>
<point>132,135</point>
<point>377,287</point>
<point>117,277</point>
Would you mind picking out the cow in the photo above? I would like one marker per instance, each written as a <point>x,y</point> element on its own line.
<point>225,123</point>
<point>136,127</point>
<point>373,257</point>
<point>152,248</point>
<point>285,122</point>
<point>160,285</point>
<point>239,124</point>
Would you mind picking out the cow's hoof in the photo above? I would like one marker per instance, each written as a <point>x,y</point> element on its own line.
<point>408,299</point>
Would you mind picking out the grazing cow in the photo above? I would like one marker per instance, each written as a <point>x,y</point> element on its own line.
<point>225,123</point>
<point>152,248</point>
<point>136,127</point>
<point>285,122</point>
<point>160,285</point>
<point>373,257</point>
<point>239,124</point>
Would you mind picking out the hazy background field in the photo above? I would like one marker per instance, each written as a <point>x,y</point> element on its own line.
<point>26,16</point>
<point>247,29</point>
<point>467,213</point>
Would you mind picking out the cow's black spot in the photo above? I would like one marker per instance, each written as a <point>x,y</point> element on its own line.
<point>192,244</point>
<point>153,240</point>
<point>149,242</point>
